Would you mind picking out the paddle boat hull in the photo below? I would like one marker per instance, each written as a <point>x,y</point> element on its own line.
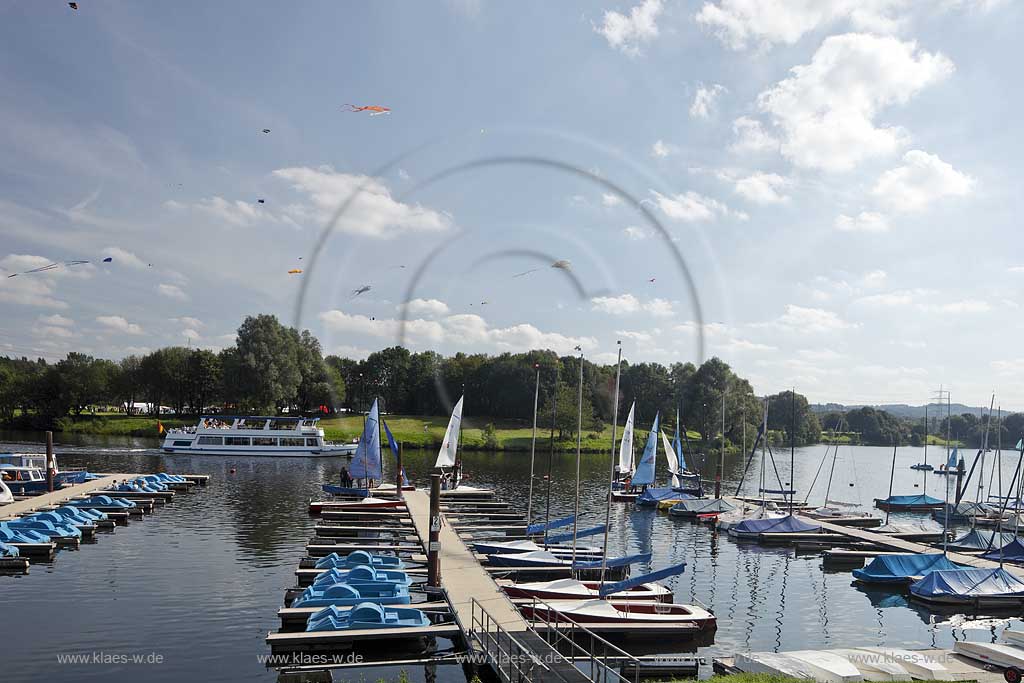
<point>351,594</point>
<point>366,615</point>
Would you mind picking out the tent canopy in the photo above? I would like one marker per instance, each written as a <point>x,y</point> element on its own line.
<point>887,568</point>
<point>969,583</point>
<point>780,525</point>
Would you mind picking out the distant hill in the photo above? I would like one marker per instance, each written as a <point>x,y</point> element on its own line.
<point>904,410</point>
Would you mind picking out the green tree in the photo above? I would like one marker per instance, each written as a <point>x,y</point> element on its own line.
<point>787,410</point>
<point>268,352</point>
<point>82,381</point>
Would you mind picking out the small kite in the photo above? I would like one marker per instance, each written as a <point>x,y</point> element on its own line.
<point>295,271</point>
<point>561,264</point>
<point>266,130</point>
<point>652,279</point>
<point>108,259</point>
<point>483,303</point>
<point>374,109</point>
<point>73,5</point>
<point>361,290</point>
<point>55,265</point>
<point>260,201</point>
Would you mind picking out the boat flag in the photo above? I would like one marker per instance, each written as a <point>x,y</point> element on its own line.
<point>394,449</point>
<point>160,427</point>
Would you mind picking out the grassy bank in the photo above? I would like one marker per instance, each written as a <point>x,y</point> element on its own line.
<point>414,431</point>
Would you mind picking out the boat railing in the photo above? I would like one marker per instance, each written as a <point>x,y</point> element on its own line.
<point>594,656</point>
<point>512,660</point>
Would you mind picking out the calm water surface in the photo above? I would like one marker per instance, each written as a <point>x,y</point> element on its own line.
<point>199,583</point>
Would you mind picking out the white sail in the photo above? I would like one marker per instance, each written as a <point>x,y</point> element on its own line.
<point>673,462</point>
<point>446,456</point>
<point>626,448</point>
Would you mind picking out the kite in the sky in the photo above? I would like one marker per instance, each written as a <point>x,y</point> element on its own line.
<point>295,271</point>
<point>260,201</point>
<point>361,290</point>
<point>561,264</point>
<point>652,279</point>
<point>55,265</point>
<point>266,130</point>
<point>73,5</point>
<point>374,109</point>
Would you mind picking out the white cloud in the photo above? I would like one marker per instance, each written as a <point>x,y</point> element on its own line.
<point>119,324</point>
<point>865,221</point>
<point>964,306</point>
<point>191,334</point>
<point>54,326</point>
<point>628,32</point>
<point>886,300</point>
<point>704,100</point>
<point>1015,269</point>
<point>751,137</point>
<point>124,258</point>
<point>692,207</point>
<point>636,233</point>
<point>638,337</point>
<point>763,23</point>
<point>616,305</point>
<point>194,323</point>
<point>610,199</point>
<point>826,110</point>
<point>373,212</point>
<point>236,213</point>
<point>763,188</point>
<point>1012,366</point>
<point>56,319</point>
<point>429,307</point>
<point>874,278</point>
<point>659,308</point>
<point>815,320</point>
<point>742,345</point>
<point>33,289</point>
<point>922,179</point>
<point>171,292</point>
<point>662,149</point>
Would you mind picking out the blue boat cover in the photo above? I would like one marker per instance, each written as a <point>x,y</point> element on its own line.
<point>344,490</point>
<point>969,583</point>
<point>977,539</point>
<point>906,501</point>
<point>609,588</point>
<point>781,525</point>
<point>702,506</point>
<point>651,496</point>
<point>8,550</point>
<point>644,474</point>
<point>366,461</point>
<point>538,528</point>
<point>890,568</point>
<point>614,561</point>
<point>1011,552</point>
<point>580,533</point>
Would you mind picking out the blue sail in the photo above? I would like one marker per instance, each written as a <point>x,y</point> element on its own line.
<point>953,458</point>
<point>677,446</point>
<point>537,528</point>
<point>580,533</point>
<point>614,561</point>
<point>366,461</point>
<point>609,588</point>
<point>645,468</point>
<point>394,449</point>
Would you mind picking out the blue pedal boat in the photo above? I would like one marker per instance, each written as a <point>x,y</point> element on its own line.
<point>59,519</point>
<point>342,594</point>
<point>9,535</point>
<point>72,512</point>
<point>45,527</point>
<point>103,502</point>
<point>8,550</point>
<point>359,558</point>
<point>366,615</point>
<point>362,574</point>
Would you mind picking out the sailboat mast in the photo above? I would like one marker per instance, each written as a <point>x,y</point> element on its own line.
<point>792,447</point>
<point>892,475</point>
<point>457,472</point>
<point>764,447</point>
<point>984,449</point>
<point>721,452</point>
<point>551,453</point>
<point>611,475</point>
<point>924,472</point>
<point>533,446</point>
<point>579,444</point>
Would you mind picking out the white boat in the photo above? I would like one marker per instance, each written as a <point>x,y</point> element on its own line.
<point>918,664</point>
<point>622,612</point>
<point>773,664</point>
<point>874,667</point>
<point>277,436</point>
<point>1014,637</point>
<point>827,667</point>
<point>999,654</point>
<point>573,589</point>
<point>6,496</point>
<point>767,511</point>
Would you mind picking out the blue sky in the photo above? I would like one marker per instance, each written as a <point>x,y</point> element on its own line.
<point>839,178</point>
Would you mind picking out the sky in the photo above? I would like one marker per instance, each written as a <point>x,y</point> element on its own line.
<point>823,193</point>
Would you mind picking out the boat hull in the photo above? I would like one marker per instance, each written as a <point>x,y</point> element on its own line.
<point>622,612</point>
<point>268,453</point>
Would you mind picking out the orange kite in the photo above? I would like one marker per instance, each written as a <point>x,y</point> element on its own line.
<point>373,109</point>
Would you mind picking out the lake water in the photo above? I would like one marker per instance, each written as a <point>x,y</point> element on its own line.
<point>199,583</point>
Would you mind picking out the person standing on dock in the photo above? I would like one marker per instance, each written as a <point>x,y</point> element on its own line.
<point>346,478</point>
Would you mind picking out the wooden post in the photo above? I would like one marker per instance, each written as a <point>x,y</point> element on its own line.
<point>398,473</point>
<point>434,545</point>
<point>49,461</point>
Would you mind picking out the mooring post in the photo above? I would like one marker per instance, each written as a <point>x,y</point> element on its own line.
<point>398,473</point>
<point>49,461</point>
<point>960,471</point>
<point>434,545</point>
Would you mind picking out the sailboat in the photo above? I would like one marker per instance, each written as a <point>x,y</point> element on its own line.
<point>621,489</point>
<point>665,498</point>
<point>366,466</point>
<point>764,509</point>
<point>685,480</point>
<point>448,460</point>
<point>951,465</point>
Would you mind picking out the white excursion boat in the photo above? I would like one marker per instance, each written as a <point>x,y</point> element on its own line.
<point>224,435</point>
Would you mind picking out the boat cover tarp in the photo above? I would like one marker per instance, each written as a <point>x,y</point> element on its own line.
<point>336,490</point>
<point>653,495</point>
<point>580,533</point>
<point>614,561</point>
<point>906,501</point>
<point>889,568</point>
<point>975,582</point>
<point>609,588</point>
<point>702,506</point>
<point>781,525</point>
<point>978,539</point>
<point>538,528</point>
<point>1011,552</point>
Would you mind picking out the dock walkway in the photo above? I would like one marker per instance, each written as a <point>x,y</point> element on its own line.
<point>61,496</point>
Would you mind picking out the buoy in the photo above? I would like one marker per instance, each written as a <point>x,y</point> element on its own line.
<point>231,471</point>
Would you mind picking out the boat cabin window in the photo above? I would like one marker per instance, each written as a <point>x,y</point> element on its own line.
<point>288,441</point>
<point>211,441</point>
<point>264,441</point>
<point>182,443</point>
<point>284,425</point>
<point>236,441</point>
<point>312,442</point>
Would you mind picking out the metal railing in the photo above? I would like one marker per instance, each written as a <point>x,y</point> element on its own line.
<point>589,652</point>
<point>511,660</point>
